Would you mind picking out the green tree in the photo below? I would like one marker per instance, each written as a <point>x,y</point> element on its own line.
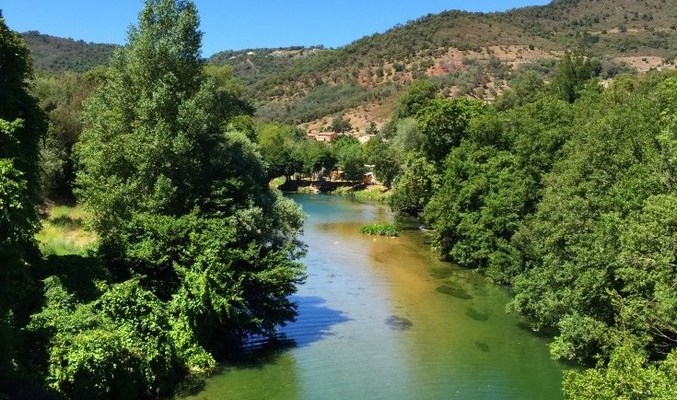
<point>316,156</point>
<point>279,147</point>
<point>22,124</point>
<point>586,236</point>
<point>419,94</point>
<point>340,124</point>
<point>182,209</point>
<point>573,72</point>
<point>349,156</point>
<point>443,124</point>
<point>62,96</point>
<point>628,375</point>
<point>387,161</point>
<point>415,187</point>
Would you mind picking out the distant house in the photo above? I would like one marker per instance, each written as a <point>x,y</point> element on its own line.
<point>325,136</point>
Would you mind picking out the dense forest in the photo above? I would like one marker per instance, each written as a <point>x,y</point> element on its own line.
<point>55,54</point>
<point>563,189</point>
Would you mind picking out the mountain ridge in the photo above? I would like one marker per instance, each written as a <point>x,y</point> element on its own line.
<point>466,53</point>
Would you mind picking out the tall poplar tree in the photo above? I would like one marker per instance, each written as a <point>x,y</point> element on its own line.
<point>200,252</point>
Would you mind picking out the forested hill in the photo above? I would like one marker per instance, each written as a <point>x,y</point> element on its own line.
<point>55,54</point>
<point>468,54</point>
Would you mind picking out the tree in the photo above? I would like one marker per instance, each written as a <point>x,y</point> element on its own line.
<point>586,233</point>
<point>349,156</point>
<point>340,124</point>
<point>414,188</point>
<point>386,160</point>
<point>628,375</point>
<point>182,209</point>
<point>22,124</point>
<point>573,72</point>
<point>62,97</point>
<point>279,147</point>
<point>443,123</point>
<point>419,94</point>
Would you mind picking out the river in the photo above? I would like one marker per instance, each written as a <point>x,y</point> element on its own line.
<point>382,318</point>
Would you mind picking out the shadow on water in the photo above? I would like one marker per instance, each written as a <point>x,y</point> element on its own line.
<point>314,322</point>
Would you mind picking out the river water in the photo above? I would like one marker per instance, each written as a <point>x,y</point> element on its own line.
<point>382,318</point>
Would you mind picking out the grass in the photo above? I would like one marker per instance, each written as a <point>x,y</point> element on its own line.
<point>277,182</point>
<point>380,230</point>
<point>65,232</point>
<point>372,193</point>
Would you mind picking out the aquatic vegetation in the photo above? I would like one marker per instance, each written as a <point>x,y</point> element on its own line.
<point>380,230</point>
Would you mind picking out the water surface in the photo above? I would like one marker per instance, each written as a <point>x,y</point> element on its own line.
<point>381,318</point>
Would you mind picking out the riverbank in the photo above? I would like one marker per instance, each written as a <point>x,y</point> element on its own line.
<point>355,190</point>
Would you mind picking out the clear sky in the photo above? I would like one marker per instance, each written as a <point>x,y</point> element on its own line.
<point>240,24</point>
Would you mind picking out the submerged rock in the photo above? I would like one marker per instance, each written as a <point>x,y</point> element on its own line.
<point>455,291</point>
<point>398,323</point>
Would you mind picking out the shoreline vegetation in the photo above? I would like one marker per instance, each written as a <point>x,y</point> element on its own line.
<point>356,190</point>
<point>380,229</point>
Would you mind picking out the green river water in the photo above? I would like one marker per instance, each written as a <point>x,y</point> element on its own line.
<point>381,318</point>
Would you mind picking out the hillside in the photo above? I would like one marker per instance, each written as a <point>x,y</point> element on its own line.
<point>471,54</point>
<point>55,54</point>
<point>465,53</point>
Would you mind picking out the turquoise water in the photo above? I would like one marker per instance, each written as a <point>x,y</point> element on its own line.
<point>381,318</point>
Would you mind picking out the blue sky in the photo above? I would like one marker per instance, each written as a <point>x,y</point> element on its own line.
<point>240,24</point>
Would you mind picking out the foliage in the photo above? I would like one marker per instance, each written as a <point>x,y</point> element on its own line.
<point>380,230</point>
<point>349,157</point>
<point>492,180</point>
<point>22,125</point>
<point>417,184</point>
<point>573,73</point>
<point>442,124</point>
<point>340,124</point>
<point>278,146</point>
<point>117,346</point>
<point>57,55</point>
<point>586,226</point>
<point>201,254</point>
<point>386,161</point>
<point>419,94</point>
<point>62,96</point>
<point>628,375</point>
<point>574,206</point>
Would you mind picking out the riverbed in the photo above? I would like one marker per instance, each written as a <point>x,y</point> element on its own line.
<point>382,318</point>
